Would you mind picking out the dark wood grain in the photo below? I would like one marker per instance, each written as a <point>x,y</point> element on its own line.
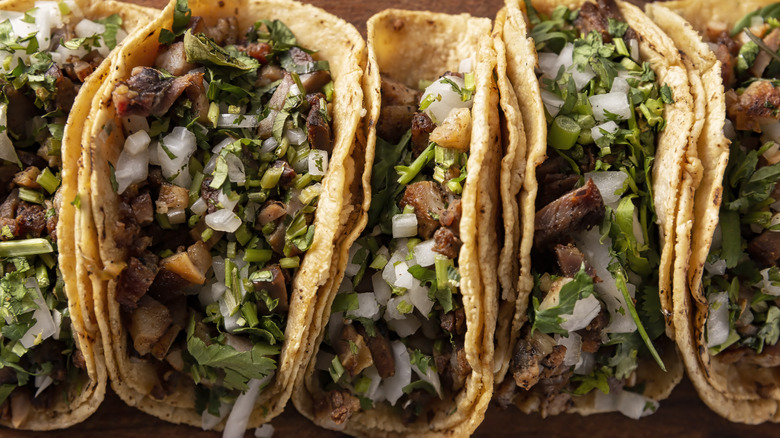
<point>683,414</point>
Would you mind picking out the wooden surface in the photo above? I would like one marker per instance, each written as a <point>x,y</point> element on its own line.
<point>683,414</point>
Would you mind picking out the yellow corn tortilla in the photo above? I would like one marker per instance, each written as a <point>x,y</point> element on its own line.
<point>84,395</point>
<point>410,46</point>
<point>729,390</point>
<point>340,44</point>
<point>657,49</point>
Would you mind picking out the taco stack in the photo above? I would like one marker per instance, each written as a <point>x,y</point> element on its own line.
<point>725,286</point>
<point>606,117</point>
<point>405,346</point>
<point>52,58</point>
<point>220,165</point>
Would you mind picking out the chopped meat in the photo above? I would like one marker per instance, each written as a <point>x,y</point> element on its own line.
<point>591,335</point>
<point>172,197</point>
<point>211,196</point>
<point>772,41</point>
<point>337,405</point>
<point>454,321</point>
<point>446,243</point>
<point>459,367</point>
<point>257,50</point>
<point>555,180</point>
<point>552,362</point>
<point>224,32</point>
<point>65,90</point>
<point>271,211</point>
<point>575,211</point>
<point>381,353</point>
<point>450,217</point>
<point>173,59</point>
<point>148,92</point>
<point>300,57</point>
<point>396,93</point>
<point>149,322</point>
<point>757,105</point>
<point>524,366</point>
<point>182,264</point>
<point>23,110</point>
<point>726,65</point>
<point>394,121</point>
<point>273,279</point>
<point>8,215</point>
<point>78,360</point>
<point>26,178</point>
<point>571,259</point>
<point>134,282</point>
<point>161,347</point>
<point>352,350</point>
<point>280,95</point>
<point>168,285</point>
<point>317,127</point>
<point>504,393</point>
<point>314,81</point>
<point>422,126</point>
<point>288,174</point>
<point>611,10</point>
<point>592,19</point>
<point>30,219</point>
<point>276,238</point>
<point>269,74</point>
<point>765,249</point>
<point>142,209</point>
<point>428,202</point>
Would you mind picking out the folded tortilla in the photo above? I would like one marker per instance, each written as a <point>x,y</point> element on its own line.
<point>81,396</point>
<point>134,378</point>
<point>738,391</point>
<point>411,47</point>
<point>520,187</point>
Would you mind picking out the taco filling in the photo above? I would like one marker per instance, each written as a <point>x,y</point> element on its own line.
<point>46,53</point>
<point>397,325</point>
<point>741,277</point>
<point>595,307</point>
<point>227,139</point>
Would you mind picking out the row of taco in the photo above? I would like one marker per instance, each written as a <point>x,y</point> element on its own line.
<point>248,203</point>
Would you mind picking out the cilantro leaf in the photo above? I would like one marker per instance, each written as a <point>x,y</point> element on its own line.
<point>549,320</point>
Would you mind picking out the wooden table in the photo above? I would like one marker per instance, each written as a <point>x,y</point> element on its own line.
<point>683,414</point>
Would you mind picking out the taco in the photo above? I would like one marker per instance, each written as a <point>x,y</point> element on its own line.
<point>52,56</point>
<point>401,351</point>
<point>220,165</point>
<point>726,316</point>
<point>606,119</point>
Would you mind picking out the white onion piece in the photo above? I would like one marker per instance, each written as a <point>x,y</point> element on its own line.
<point>402,276</point>
<point>134,124</point>
<point>635,405</point>
<point>552,102</point>
<point>391,311</point>
<point>582,78</point>
<point>404,327</point>
<point>154,158</point>
<point>352,268</point>
<point>42,382</point>
<point>44,324</point>
<point>382,290</point>
<point>237,121</point>
<point>586,364</point>
<point>181,144</point>
<point>597,254</point>
<point>226,202</point>
<point>7,151</point>
<point>584,311</point>
<point>620,85</point>
<point>446,98</point>
<point>756,21</point>
<point>431,377</point>
<point>236,171</point>
<point>264,431</point>
<point>223,220</point>
<point>367,307</point>
<point>424,254</point>
<point>549,64</point>
<point>56,315</point>
<point>766,285</point>
<point>419,296</point>
<point>573,346</point>
<point>375,391</point>
<point>137,143</point>
<point>403,373</point>
<point>296,136</point>
<point>269,146</point>
<point>318,162</point>
<point>208,421</point>
<point>718,319</point>
<point>634,45</point>
<point>404,225</point>
<point>211,293</point>
<point>199,207</point>
<point>218,264</point>
<point>611,184</point>
<point>717,268</point>
<point>346,285</point>
<point>242,408</point>
<point>130,169</point>
<point>615,103</point>
<point>229,317</point>
<point>335,324</point>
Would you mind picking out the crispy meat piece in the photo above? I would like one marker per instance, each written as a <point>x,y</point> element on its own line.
<point>575,211</point>
<point>27,178</point>
<point>317,127</point>
<point>555,180</point>
<point>459,367</point>
<point>765,248</point>
<point>314,81</point>
<point>454,321</point>
<point>591,335</point>
<point>427,199</point>
<point>381,353</point>
<point>590,19</point>
<point>611,10</point>
<point>396,93</point>
<point>134,281</point>
<point>570,260</point>
<point>167,285</point>
<point>275,284</point>
<point>422,126</point>
<point>337,405</point>
<point>269,74</point>
<point>288,174</point>
<point>394,121</point>
<point>353,361</point>
<point>147,92</point>
<point>30,219</point>
<point>525,367</point>
<point>8,214</point>
<point>149,322</point>
<point>756,106</point>
<point>450,217</point>
<point>258,50</point>
<point>65,92</point>
<point>446,243</point>
<point>173,59</point>
<point>224,32</point>
<point>271,211</point>
<point>726,59</point>
<point>143,209</point>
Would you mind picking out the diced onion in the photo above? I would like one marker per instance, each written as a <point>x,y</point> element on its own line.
<point>403,373</point>
<point>135,124</point>
<point>766,284</point>
<point>718,319</point>
<point>223,220</point>
<point>419,296</point>
<point>446,98</point>
<point>614,103</point>
<point>318,162</point>
<point>716,268</point>
<point>404,225</point>
<point>391,312</point>
<point>610,183</point>
<point>235,426</point>
<point>218,264</point>
<point>42,382</point>
<point>424,254</point>
<point>181,144</point>
<point>552,102</point>
<point>236,171</point>
<point>211,293</point>
<point>429,376</point>
<point>208,421</point>
<point>402,276</point>
<point>573,346</point>
<point>620,85</point>
<point>586,364</point>
<point>199,207</point>
<point>382,290</point>
<point>367,307</point>
<point>375,390</point>
<point>404,327</point>
<point>130,169</point>
<point>264,431</point>
<point>237,121</point>
<point>296,136</point>
<point>352,268</point>
<point>634,45</point>
<point>44,324</point>
<point>628,403</point>
<point>465,65</point>
<point>584,311</point>
<point>137,143</point>
<point>226,202</point>
<point>56,315</point>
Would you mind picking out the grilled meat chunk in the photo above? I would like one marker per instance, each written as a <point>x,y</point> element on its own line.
<point>575,211</point>
<point>427,199</point>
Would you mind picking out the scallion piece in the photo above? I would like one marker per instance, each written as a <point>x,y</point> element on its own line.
<point>258,197</point>
<point>258,255</point>
<point>249,311</point>
<point>197,181</point>
<point>563,133</point>
<point>271,177</point>
<point>206,234</point>
<point>242,235</point>
<point>48,181</point>
<point>19,248</point>
<point>30,195</point>
<point>290,262</point>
